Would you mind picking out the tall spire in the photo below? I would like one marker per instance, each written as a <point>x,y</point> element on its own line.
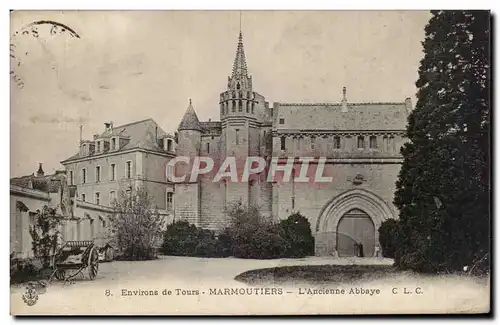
<point>240,62</point>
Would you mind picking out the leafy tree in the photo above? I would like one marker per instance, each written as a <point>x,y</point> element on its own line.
<point>443,188</point>
<point>298,237</point>
<point>136,226</point>
<point>389,237</point>
<point>45,234</point>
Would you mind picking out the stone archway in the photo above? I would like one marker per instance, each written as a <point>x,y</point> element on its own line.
<point>327,224</point>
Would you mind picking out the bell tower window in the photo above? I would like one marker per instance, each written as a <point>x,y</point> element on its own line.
<point>238,86</point>
<point>240,106</point>
<point>234,106</point>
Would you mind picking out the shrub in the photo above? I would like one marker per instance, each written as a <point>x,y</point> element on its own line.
<point>135,226</point>
<point>299,241</point>
<point>388,237</point>
<point>45,235</point>
<point>181,239</point>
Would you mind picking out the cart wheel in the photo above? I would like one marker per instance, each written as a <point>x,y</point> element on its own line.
<point>60,274</point>
<point>93,263</point>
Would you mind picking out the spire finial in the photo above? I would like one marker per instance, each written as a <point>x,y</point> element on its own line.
<point>190,101</point>
<point>240,22</point>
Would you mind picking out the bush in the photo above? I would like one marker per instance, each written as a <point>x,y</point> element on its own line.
<point>299,241</point>
<point>388,237</point>
<point>135,226</point>
<point>181,239</point>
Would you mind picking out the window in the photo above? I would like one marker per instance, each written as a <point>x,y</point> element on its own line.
<point>283,145</point>
<point>128,169</point>
<point>84,175</point>
<point>113,143</point>
<point>103,224</point>
<point>92,230</point>
<point>234,94</point>
<point>112,197</point>
<point>373,142</point>
<point>98,174</point>
<point>248,107</point>
<point>313,142</point>
<point>282,121</point>
<point>233,108</point>
<point>222,108</point>
<point>97,198</point>
<point>128,192</point>
<point>336,142</point>
<point>112,172</point>
<point>71,180</point>
<point>208,147</point>
<point>170,200</point>
<point>83,197</point>
<point>169,145</point>
<point>240,106</point>
<point>237,136</point>
<point>248,94</point>
<point>84,149</point>
<point>361,142</point>
<point>253,108</point>
<point>98,144</point>
<point>241,94</point>
<point>238,85</point>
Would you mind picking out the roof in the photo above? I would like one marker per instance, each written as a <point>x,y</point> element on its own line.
<point>190,120</point>
<point>140,134</point>
<point>48,183</point>
<point>211,127</point>
<point>328,116</point>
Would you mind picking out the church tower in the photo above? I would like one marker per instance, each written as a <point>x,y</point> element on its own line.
<point>242,113</point>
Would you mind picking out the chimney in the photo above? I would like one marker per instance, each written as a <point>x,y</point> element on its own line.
<point>40,171</point>
<point>108,126</point>
<point>344,100</point>
<point>210,120</point>
<point>81,134</point>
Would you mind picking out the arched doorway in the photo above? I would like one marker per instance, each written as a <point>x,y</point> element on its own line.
<point>339,216</point>
<point>355,234</point>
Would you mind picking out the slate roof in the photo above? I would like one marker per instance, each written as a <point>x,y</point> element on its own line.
<point>140,135</point>
<point>326,116</point>
<point>211,127</point>
<point>48,183</point>
<point>190,120</point>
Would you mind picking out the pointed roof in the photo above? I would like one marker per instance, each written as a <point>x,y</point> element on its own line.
<point>190,120</point>
<point>240,62</point>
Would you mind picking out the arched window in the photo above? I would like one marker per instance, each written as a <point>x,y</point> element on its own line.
<point>248,107</point>
<point>222,108</point>
<point>240,106</point>
<point>241,94</point>
<point>234,94</point>
<point>234,106</point>
<point>253,108</point>
<point>248,94</point>
<point>238,85</point>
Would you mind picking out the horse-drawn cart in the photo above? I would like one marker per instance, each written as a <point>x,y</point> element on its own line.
<point>73,258</point>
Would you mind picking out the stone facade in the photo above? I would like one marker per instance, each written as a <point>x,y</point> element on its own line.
<point>360,141</point>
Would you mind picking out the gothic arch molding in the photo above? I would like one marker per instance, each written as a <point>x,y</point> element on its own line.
<point>364,200</point>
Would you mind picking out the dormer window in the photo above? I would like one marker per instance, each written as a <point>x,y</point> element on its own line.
<point>169,145</point>
<point>113,143</point>
<point>98,146</point>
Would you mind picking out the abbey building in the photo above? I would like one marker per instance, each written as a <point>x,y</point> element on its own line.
<point>360,143</point>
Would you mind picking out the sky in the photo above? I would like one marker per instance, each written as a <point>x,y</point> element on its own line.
<point>133,65</point>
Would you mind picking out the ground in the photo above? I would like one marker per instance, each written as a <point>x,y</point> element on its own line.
<point>122,288</point>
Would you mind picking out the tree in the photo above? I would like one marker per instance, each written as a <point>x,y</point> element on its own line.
<point>45,234</point>
<point>443,188</point>
<point>136,226</point>
<point>389,237</point>
<point>298,237</point>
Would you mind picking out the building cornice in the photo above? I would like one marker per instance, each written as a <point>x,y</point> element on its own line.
<point>116,153</point>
